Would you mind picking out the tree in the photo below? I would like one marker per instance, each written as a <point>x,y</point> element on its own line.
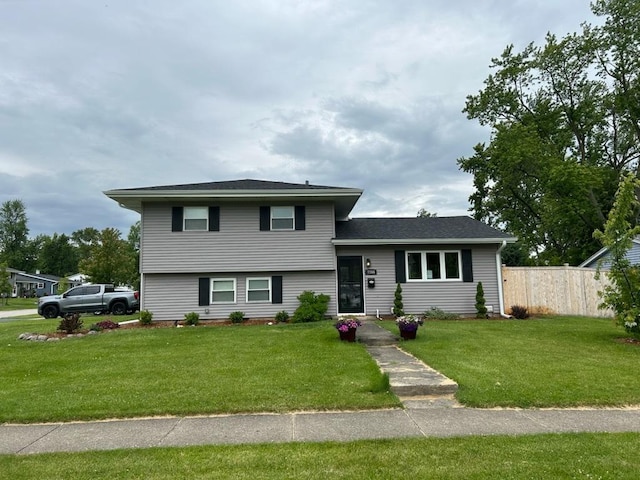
<point>565,126</point>
<point>398,307</point>
<point>85,239</point>
<point>5,284</point>
<point>623,295</point>
<point>13,234</point>
<point>58,256</point>
<point>109,260</point>
<point>481,308</point>
<point>133,240</point>
<point>425,214</point>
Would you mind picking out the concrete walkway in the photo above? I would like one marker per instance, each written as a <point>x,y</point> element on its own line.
<point>427,413</point>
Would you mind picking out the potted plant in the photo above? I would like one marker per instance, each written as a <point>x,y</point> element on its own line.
<point>408,325</point>
<point>347,327</point>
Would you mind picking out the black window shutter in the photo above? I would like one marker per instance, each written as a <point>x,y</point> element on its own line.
<point>176,219</point>
<point>203,291</point>
<point>467,266</point>
<point>300,217</point>
<point>265,218</point>
<point>214,219</point>
<point>401,272</point>
<point>276,289</point>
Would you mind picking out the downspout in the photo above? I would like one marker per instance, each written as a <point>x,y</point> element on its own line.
<point>500,289</point>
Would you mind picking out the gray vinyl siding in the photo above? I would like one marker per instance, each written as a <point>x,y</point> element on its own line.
<point>239,245</point>
<point>170,296</point>
<point>456,297</point>
<point>604,262</point>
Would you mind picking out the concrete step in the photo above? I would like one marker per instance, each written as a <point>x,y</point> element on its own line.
<point>408,376</point>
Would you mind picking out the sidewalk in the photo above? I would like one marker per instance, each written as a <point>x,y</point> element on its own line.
<point>18,313</point>
<point>430,411</point>
<point>307,427</point>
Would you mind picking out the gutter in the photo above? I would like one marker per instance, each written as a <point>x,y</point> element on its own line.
<point>500,289</point>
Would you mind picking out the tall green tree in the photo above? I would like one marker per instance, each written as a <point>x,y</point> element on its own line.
<point>110,260</point>
<point>13,234</point>
<point>623,294</point>
<point>564,122</point>
<point>85,239</point>
<point>58,256</point>
<point>5,284</point>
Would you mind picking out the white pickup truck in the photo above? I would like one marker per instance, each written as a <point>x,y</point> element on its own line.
<point>90,298</point>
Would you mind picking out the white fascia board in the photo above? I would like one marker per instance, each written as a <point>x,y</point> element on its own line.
<point>132,199</point>
<point>422,241</point>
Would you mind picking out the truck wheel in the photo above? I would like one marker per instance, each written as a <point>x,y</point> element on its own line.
<point>118,308</point>
<point>50,311</point>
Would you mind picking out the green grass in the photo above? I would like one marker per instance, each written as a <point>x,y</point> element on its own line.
<point>557,456</point>
<point>556,361</point>
<point>18,304</point>
<point>183,371</point>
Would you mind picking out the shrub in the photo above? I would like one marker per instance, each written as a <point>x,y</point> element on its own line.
<point>312,307</point>
<point>437,314</point>
<point>236,317</point>
<point>104,325</point>
<point>481,309</point>
<point>519,312</point>
<point>191,318</point>
<point>146,317</point>
<point>398,307</point>
<point>282,316</point>
<point>70,323</point>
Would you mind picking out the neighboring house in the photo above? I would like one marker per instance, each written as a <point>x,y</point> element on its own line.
<point>35,285</point>
<point>12,280</point>
<point>601,259</point>
<point>254,246</point>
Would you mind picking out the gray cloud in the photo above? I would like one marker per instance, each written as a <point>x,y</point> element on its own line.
<point>365,93</point>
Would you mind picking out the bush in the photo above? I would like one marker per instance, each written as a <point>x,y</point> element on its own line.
<point>191,318</point>
<point>282,316</point>
<point>236,317</point>
<point>398,307</point>
<point>146,317</point>
<point>519,312</point>
<point>481,309</point>
<point>312,307</point>
<point>70,323</point>
<point>104,325</point>
<point>437,314</point>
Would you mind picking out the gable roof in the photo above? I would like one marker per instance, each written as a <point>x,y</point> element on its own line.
<point>29,277</point>
<point>414,230</point>
<point>344,198</point>
<point>602,253</point>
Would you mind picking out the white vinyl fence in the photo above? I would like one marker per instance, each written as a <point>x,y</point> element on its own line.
<point>554,290</point>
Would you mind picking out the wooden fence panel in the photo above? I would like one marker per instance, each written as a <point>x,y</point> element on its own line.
<point>554,290</point>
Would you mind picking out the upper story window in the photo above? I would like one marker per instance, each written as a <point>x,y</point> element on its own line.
<point>196,218</point>
<point>426,266</point>
<point>282,218</point>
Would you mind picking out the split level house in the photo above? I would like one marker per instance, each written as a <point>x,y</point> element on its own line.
<point>254,246</point>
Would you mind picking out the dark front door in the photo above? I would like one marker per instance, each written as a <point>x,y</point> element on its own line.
<point>350,291</point>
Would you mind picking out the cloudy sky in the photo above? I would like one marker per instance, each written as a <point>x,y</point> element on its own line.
<point>354,93</point>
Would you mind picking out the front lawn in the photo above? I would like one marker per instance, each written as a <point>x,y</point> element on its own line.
<point>18,304</point>
<point>557,456</point>
<point>183,371</point>
<point>555,361</point>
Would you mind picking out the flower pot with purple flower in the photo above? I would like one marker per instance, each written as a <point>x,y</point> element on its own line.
<point>408,326</point>
<point>347,327</point>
